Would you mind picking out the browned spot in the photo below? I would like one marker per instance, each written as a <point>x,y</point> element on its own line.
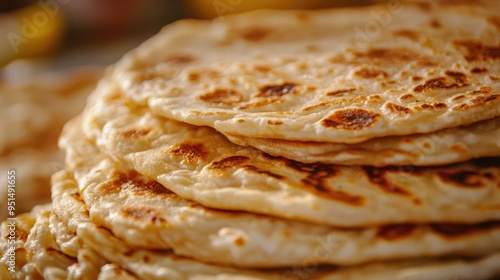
<point>459,230</point>
<point>394,232</point>
<point>258,170</point>
<point>255,34</point>
<point>262,69</point>
<point>131,180</point>
<point>180,59</point>
<point>274,122</point>
<point>432,106</point>
<point>206,114</point>
<point>398,109</point>
<point>477,51</point>
<point>435,23</point>
<point>276,90</point>
<point>340,92</point>
<point>135,133</point>
<point>427,62</point>
<point>208,74</point>
<point>464,179</point>
<point>351,119</point>
<point>456,98</point>
<point>229,162</point>
<point>316,177</point>
<point>143,214</point>
<point>482,90</point>
<point>494,78</point>
<point>417,201</point>
<point>370,73</point>
<point>407,96</point>
<point>378,177</point>
<point>222,96</point>
<point>454,79</point>
<point>191,152</point>
<point>478,70</point>
<point>416,78</point>
<point>483,99</point>
<point>19,234</point>
<point>302,66</point>
<point>146,259</point>
<point>76,196</point>
<point>374,98</point>
<point>458,75</point>
<point>338,59</point>
<point>495,20</point>
<point>412,35</point>
<point>336,102</point>
<point>389,56</point>
<point>459,148</point>
<point>194,77</point>
<point>240,242</point>
<point>241,120</point>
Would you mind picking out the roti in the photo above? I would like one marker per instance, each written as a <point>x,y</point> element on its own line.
<point>156,264</point>
<point>145,214</point>
<point>446,146</point>
<point>126,259</point>
<point>324,76</point>
<point>199,164</point>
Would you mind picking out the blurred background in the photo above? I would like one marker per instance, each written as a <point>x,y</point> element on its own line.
<point>74,32</point>
<point>53,52</point>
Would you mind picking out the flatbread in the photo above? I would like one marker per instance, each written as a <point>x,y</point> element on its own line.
<point>130,262</point>
<point>161,264</point>
<point>23,224</point>
<point>43,252</point>
<point>339,75</point>
<point>38,253</point>
<point>144,214</point>
<point>157,264</point>
<point>481,139</point>
<point>164,265</point>
<point>199,164</point>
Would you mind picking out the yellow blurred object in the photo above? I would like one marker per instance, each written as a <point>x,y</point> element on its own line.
<point>32,31</point>
<point>214,8</point>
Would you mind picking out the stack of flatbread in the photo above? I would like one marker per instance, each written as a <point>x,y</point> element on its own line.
<point>358,143</point>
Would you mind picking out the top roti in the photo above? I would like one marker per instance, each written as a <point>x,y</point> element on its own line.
<point>340,75</point>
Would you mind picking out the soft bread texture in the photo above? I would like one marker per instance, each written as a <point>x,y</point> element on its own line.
<point>41,239</point>
<point>437,148</point>
<point>131,262</point>
<point>199,164</point>
<point>312,76</point>
<point>145,214</point>
<point>23,224</point>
